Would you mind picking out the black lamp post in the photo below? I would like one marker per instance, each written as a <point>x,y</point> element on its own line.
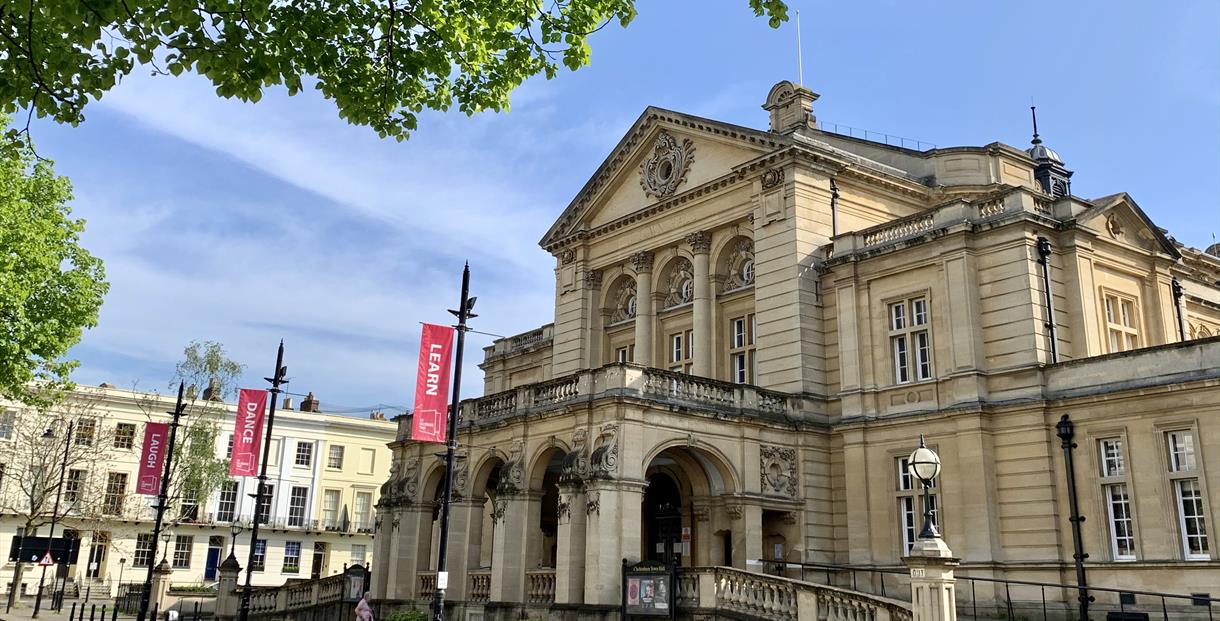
<point>122,565</point>
<point>162,503</point>
<point>924,464</point>
<point>1066,431</point>
<point>442,574</point>
<point>166,537</point>
<point>63,468</point>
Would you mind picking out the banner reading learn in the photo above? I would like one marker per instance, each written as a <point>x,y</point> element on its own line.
<point>248,432</point>
<point>152,459</point>
<point>432,384</point>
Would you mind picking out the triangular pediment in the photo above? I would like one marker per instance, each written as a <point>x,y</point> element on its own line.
<point>1117,217</point>
<point>663,155</point>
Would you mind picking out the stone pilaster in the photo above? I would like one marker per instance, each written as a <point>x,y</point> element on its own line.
<point>645,316</point>
<point>701,246</point>
<point>570,556</point>
<point>411,528</point>
<point>160,585</point>
<point>932,582</point>
<point>516,517</point>
<point>227,600</point>
<point>610,505</point>
<point>464,517</point>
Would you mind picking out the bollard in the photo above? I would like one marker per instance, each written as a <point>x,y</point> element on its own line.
<point>114,616</point>
<point>103,617</point>
<point>92,611</point>
<point>73,613</point>
<point>154,611</point>
<point>196,611</point>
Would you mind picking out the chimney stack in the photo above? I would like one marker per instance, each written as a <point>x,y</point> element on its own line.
<point>309,403</point>
<point>287,404</point>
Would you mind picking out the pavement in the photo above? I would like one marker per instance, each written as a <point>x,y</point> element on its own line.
<point>26,612</point>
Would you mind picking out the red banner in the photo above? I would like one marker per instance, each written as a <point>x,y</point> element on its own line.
<point>248,432</point>
<point>152,459</point>
<point>432,384</point>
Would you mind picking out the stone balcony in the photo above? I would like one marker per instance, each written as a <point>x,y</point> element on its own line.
<point>629,381</point>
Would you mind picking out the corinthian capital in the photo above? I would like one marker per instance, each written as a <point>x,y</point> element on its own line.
<point>700,242</point>
<point>642,261</point>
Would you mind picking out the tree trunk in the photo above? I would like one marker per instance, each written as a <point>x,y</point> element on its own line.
<point>16,585</point>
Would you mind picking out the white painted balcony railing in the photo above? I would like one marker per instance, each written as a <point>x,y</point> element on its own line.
<point>772,598</point>
<point>628,380</point>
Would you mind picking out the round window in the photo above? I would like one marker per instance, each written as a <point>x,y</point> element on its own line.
<point>688,289</point>
<point>631,306</point>
<point>747,271</point>
<point>665,170</point>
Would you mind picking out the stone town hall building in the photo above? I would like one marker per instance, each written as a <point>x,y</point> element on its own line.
<point>753,328</point>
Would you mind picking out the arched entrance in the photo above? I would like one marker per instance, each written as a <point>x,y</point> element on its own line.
<point>684,484</point>
<point>662,513</point>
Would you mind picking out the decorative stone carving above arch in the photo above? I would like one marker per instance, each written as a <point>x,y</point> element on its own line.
<point>666,166</point>
<point>604,460</point>
<point>461,475</point>
<point>575,467</point>
<point>737,264</point>
<point>512,473</point>
<point>409,484</point>
<point>622,300</point>
<point>678,283</point>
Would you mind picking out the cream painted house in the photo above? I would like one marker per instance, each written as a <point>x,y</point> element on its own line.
<point>324,470</point>
<point>753,328</point>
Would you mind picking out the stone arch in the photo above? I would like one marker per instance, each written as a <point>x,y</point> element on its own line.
<point>735,263</point>
<point>618,299</point>
<point>536,469</point>
<point>542,484</point>
<point>485,477</point>
<point>675,282</point>
<point>714,466</point>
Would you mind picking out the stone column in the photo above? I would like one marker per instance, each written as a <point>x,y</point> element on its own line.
<point>384,549</point>
<point>613,506</point>
<point>570,556</point>
<point>160,585</point>
<point>701,246</point>
<point>412,549</point>
<point>462,520</point>
<point>644,314</point>
<point>510,550</point>
<point>227,600</point>
<point>932,582</point>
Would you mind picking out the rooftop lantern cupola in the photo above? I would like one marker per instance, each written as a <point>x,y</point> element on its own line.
<point>791,107</point>
<point>1049,171</point>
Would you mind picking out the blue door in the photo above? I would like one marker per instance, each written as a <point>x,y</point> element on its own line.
<point>215,545</point>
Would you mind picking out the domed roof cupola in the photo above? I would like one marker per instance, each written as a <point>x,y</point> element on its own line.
<point>1049,172</point>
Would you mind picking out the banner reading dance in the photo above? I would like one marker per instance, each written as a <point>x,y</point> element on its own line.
<point>248,432</point>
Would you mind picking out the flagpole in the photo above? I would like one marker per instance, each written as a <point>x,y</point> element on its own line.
<point>276,379</point>
<point>162,500</point>
<point>442,575</point>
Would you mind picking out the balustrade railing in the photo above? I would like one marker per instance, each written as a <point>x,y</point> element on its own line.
<point>773,598</point>
<point>478,589</point>
<point>623,379</point>
<point>540,586</point>
<point>427,586</point>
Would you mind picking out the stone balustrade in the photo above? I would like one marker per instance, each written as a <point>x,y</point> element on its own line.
<point>478,589</point>
<point>628,380</point>
<point>773,598</point>
<point>540,586</point>
<point>427,586</point>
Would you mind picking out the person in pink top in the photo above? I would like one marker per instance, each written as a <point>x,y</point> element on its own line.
<point>364,612</point>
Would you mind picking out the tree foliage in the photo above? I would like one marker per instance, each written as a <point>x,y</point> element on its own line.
<point>210,377</point>
<point>380,61</point>
<point>50,287</point>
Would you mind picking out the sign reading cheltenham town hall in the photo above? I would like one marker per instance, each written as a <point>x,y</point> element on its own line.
<point>753,328</point>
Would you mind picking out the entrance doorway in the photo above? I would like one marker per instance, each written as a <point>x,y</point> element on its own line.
<point>662,514</point>
<point>320,557</point>
<point>216,546</point>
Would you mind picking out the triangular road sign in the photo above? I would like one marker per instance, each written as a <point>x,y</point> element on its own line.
<point>47,560</point>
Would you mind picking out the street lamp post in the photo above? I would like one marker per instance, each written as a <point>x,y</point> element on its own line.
<point>122,565</point>
<point>63,468</point>
<point>442,575</point>
<point>276,380</point>
<point>162,503</point>
<point>235,529</point>
<point>924,464</point>
<point>1066,431</point>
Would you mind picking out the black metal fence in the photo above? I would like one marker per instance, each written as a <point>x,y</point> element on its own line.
<point>1000,598</point>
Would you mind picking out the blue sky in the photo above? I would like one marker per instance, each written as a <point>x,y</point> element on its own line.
<point>247,223</point>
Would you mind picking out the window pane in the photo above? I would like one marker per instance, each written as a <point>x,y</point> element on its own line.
<point>1192,520</point>
<point>906,518</point>
<point>924,352</point>
<point>227,505</point>
<point>919,312</point>
<point>739,332</point>
<point>898,316</point>
<point>260,555</point>
<point>263,511</point>
<point>335,459</point>
<point>1128,314</point>
<point>901,374</point>
<point>1109,309</point>
<point>304,454</point>
<point>675,350</point>
<point>904,474</point>
<point>183,546</point>
<point>296,506</point>
<point>292,557</point>
<point>1111,457</point>
<point>143,550</point>
<point>739,368</point>
<point>1181,450</point>
<point>1122,535</point>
